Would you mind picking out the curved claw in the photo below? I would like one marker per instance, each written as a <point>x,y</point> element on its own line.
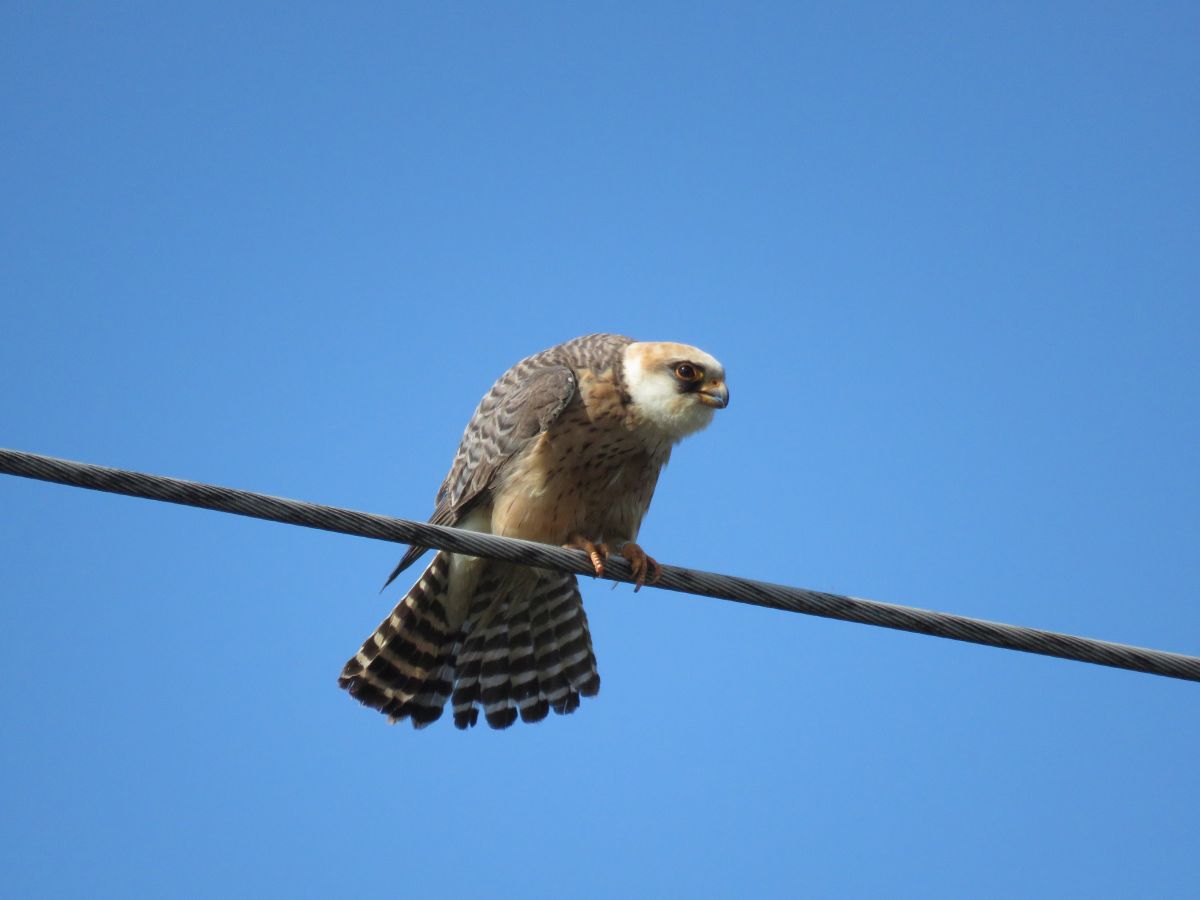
<point>642,565</point>
<point>597,553</point>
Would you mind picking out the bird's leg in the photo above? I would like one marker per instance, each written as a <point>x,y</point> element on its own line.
<point>597,553</point>
<point>641,564</point>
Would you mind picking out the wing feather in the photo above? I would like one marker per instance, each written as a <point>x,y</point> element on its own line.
<point>526,401</point>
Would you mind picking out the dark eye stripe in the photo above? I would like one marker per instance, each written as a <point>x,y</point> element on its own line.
<point>688,376</point>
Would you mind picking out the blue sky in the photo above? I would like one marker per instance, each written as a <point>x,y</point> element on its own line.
<point>949,257</point>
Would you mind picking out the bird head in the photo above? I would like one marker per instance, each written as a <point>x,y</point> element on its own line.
<point>674,386</point>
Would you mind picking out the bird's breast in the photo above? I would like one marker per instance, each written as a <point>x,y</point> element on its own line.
<point>573,479</point>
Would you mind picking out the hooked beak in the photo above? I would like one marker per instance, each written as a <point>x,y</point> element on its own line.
<point>714,395</point>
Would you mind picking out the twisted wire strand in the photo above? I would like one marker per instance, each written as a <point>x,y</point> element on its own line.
<point>690,581</point>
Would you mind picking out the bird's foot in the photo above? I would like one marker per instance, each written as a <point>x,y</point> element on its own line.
<point>642,565</point>
<point>597,553</point>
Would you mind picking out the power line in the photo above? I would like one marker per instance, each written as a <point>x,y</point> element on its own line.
<point>690,581</point>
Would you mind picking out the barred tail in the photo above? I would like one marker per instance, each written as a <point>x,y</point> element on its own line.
<point>524,653</point>
<point>405,669</point>
<point>524,649</point>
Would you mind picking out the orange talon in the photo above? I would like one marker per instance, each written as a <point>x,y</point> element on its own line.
<point>641,564</point>
<point>597,553</point>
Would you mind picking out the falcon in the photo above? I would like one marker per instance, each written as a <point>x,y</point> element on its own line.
<point>566,448</point>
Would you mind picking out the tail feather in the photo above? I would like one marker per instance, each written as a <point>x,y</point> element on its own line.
<point>469,661</point>
<point>522,649</point>
<point>522,662</point>
<point>495,677</point>
<point>405,669</point>
<point>565,637</point>
<point>555,686</point>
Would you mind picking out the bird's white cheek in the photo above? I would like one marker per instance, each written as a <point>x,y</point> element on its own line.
<point>659,404</point>
<point>695,417</point>
<point>672,414</point>
<point>682,416</point>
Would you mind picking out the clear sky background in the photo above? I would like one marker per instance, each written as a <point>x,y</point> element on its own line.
<point>950,257</point>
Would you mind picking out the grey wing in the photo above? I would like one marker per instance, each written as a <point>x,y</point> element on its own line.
<point>526,401</point>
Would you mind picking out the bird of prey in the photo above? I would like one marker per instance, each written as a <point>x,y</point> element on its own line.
<point>566,448</point>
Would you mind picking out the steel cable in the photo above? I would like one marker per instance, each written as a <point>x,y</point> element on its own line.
<point>691,581</point>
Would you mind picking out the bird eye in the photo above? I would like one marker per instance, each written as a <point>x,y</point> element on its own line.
<point>688,372</point>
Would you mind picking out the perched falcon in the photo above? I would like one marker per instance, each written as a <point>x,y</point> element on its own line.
<point>564,449</point>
